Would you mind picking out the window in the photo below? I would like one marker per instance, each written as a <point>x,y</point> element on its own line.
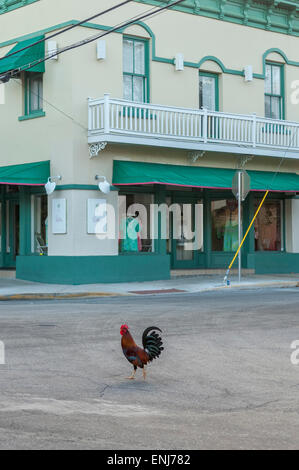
<point>135,70</point>
<point>136,224</point>
<point>39,235</point>
<point>268,226</point>
<point>208,91</point>
<point>274,91</point>
<point>189,226</point>
<point>225,231</point>
<point>33,93</point>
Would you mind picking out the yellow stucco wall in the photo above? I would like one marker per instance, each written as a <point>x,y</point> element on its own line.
<point>61,136</point>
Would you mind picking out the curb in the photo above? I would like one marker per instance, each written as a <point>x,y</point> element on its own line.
<point>281,284</point>
<point>82,295</point>
<point>4,298</point>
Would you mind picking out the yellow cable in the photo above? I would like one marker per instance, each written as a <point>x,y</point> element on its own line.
<point>245,236</point>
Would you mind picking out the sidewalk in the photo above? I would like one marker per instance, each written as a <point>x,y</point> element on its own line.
<point>14,289</point>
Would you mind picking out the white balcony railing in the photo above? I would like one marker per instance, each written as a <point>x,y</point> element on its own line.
<point>120,121</point>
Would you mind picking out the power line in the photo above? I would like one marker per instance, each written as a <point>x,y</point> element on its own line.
<point>6,77</point>
<point>116,28</point>
<point>55,108</point>
<point>51,104</point>
<point>67,29</point>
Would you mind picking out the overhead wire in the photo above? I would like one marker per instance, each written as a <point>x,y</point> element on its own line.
<point>151,13</point>
<point>115,28</point>
<point>65,30</point>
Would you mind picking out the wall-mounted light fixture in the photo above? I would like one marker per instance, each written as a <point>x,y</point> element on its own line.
<point>248,73</point>
<point>104,186</point>
<point>101,49</point>
<point>51,185</point>
<point>179,62</point>
<point>52,49</point>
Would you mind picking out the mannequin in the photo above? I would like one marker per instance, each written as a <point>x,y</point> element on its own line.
<point>231,236</point>
<point>130,240</point>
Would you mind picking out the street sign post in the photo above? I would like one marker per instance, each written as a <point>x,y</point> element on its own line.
<point>245,184</point>
<point>240,189</point>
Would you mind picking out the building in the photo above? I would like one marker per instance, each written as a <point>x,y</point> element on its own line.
<point>166,110</point>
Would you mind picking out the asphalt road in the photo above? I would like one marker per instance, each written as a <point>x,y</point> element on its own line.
<point>225,380</point>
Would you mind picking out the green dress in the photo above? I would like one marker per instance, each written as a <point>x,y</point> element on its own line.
<point>231,236</point>
<point>129,229</point>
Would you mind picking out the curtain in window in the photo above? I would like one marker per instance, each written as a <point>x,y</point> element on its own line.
<point>134,78</point>
<point>34,92</point>
<point>207,92</point>
<point>273,92</point>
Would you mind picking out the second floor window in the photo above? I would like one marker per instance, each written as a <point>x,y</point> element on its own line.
<point>33,93</point>
<point>135,70</point>
<point>274,102</point>
<point>208,91</point>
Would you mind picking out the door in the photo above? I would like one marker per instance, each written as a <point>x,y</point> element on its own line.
<point>12,233</point>
<point>186,232</point>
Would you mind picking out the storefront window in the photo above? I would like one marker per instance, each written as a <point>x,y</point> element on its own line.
<point>185,243</point>
<point>184,226</point>
<point>225,225</point>
<point>268,226</point>
<point>168,201</point>
<point>190,228</point>
<point>40,224</point>
<point>135,223</point>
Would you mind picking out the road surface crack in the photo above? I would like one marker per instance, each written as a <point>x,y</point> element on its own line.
<point>102,392</point>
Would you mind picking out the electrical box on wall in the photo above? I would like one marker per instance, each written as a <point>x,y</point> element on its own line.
<point>179,62</point>
<point>52,49</point>
<point>248,73</point>
<point>101,49</point>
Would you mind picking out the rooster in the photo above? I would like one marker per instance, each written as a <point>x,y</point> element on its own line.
<point>152,344</point>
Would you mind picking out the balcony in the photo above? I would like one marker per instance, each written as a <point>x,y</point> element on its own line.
<point>119,121</point>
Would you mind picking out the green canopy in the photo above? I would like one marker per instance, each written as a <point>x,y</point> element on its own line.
<point>25,58</point>
<point>139,173</point>
<point>33,174</point>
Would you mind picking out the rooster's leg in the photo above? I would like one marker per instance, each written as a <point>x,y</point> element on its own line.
<point>144,372</point>
<point>132,377</point>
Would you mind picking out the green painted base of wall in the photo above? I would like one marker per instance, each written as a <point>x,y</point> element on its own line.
<point>77,270</point>
<point>274,263</point>
<point>223,260</point>
<point>133,268</point>
<point>263,263</point>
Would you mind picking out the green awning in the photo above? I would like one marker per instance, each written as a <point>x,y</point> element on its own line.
<point>23,58</point>
<point>32,174</point>
<point>138,173</point>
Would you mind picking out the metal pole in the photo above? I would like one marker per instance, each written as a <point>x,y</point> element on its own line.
<point>240,220</point>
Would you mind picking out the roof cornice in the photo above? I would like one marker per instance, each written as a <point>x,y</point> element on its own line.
<point>280,16</point>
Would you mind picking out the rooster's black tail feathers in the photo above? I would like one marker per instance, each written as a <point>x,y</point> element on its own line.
<point>152,342</point>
